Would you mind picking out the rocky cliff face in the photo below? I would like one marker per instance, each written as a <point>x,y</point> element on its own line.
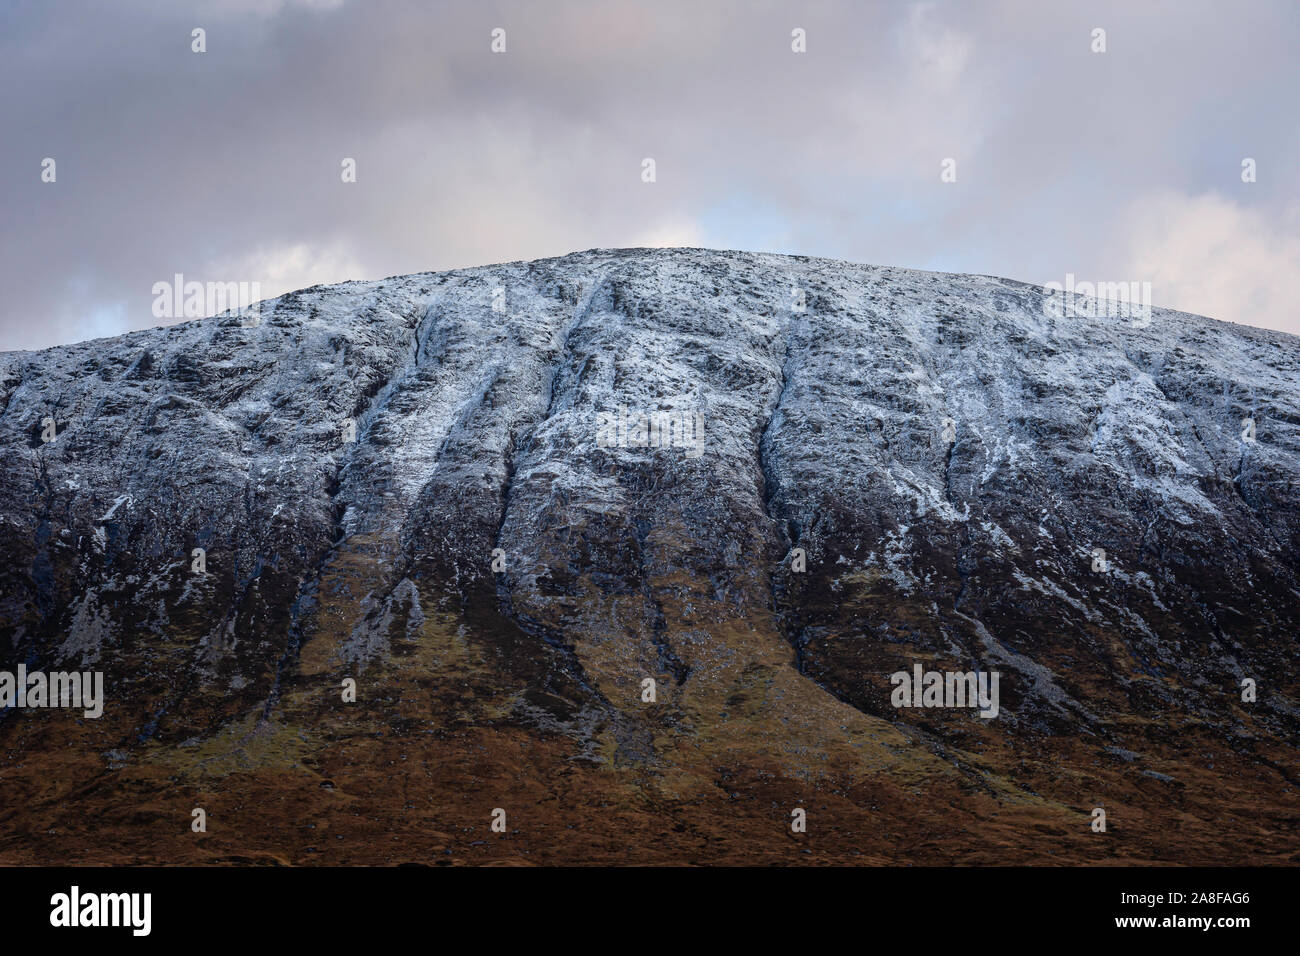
<point>501,499</point>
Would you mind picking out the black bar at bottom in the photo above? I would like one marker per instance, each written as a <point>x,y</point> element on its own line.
<point>219,905</point>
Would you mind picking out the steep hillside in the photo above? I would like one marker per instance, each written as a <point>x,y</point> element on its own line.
<point>442,487</point>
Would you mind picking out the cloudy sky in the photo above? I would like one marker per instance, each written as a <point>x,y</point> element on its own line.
<point>226,165</point>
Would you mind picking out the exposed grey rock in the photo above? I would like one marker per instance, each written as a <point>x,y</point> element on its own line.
<point>823,429</point>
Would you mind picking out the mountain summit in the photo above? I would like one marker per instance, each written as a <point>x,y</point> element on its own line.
<point>640,547</point>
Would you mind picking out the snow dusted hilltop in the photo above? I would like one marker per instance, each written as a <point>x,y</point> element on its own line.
<point>629,543</point>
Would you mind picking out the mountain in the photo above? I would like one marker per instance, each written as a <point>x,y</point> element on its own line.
<point>500,499</point>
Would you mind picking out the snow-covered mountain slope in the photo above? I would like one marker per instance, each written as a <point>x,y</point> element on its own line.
<point>849,470</point>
